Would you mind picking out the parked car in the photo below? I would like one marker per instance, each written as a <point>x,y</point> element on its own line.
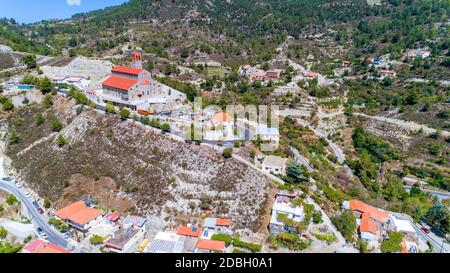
<point>40,231</point>
<point>27,194</point>
<point>7,178</point>
<point>425,229</point>
<point>35,204</point>
<point>19,185</point>
<point>40,210</point>
<point>68,235</point>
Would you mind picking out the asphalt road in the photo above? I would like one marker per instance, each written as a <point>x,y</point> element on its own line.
<point>439,194</point>
<point>337,151</point>
<point>39,220</point>
<point>300,159</point>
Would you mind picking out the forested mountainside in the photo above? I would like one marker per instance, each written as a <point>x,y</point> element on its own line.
<point>393,23</point>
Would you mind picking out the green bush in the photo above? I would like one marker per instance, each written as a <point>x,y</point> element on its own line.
<point>12,199</point>
<point>252,247</point>
<point>124,113</point>
<point>346,224</point>
<point>292,241</point>
<point>8,105</point>
<point>6,247</point>
<point>55,125</point>
<point>96,240</point>
<point>329,238</point>
<point>222,237</point>
<point>393,244</point>
<point>61,141</point>
<point>47,203</point>
<point>165,127</point>
<point>45,85</point>
<point>39,120</point>
<point>13,137</point>
<point>3,233</point>
<point>228,152</point>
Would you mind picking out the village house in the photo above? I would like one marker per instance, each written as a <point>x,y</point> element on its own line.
<point>169,242</point>
<point>388,73</point>
<point>371,221</point>
<point>79,216</point>
<point>268,135</point>
<point>216,225</point>
<point>310,74</point>
<point>285,215</point>
<point>43,247</point>
<point>245,70</point>
<point>77,81</point>
<point>377,61</point>
<point>113,217</point>
<point>274,164</point>
<point>221,127</point>
<point>410,239</point>
<point>209,246</point>
<point>273,74</point>
<point>259,75</point>
<point>418,53</point>
<point>190,231</point>
<point>125,240</point>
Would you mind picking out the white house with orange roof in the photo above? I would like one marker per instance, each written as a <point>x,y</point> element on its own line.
<point>212,226</point>
<point>370,220</point>
<point>209,246</point>
<point>221,127</point>
<point>79,216</point>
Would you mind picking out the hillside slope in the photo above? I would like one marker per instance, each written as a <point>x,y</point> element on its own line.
<point>146,171</point>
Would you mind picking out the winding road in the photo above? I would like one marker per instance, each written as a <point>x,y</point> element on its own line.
<point>37,219</point>
<point>300,159</point>
<point>337,151</point>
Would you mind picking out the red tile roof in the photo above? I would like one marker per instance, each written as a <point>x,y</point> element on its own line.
<point>51,249</point>
<point>368,225</point>
<point>189,231</point>
<point>113,217</point>
<point>40,246</point>
<point>127,70</point>
<point>221,117</point>
<point>119,83</point>
<point>145,82</point>
<point>369,211</point>
<point>78,213</point>
<point>223,222</point>
<point>311,74</point>
<point>211,245</point>
<point>388,71</point>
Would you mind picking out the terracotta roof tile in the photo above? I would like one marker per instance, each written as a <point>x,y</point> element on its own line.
<point>369,211</point>
<point>211,245</point>
<point>78,213</point>
<point>221,117</point>
<point>368,225</point>
<point>223,222</point>
<point>119,83</point>
<point>189,231</point>
<point>127,70</point>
